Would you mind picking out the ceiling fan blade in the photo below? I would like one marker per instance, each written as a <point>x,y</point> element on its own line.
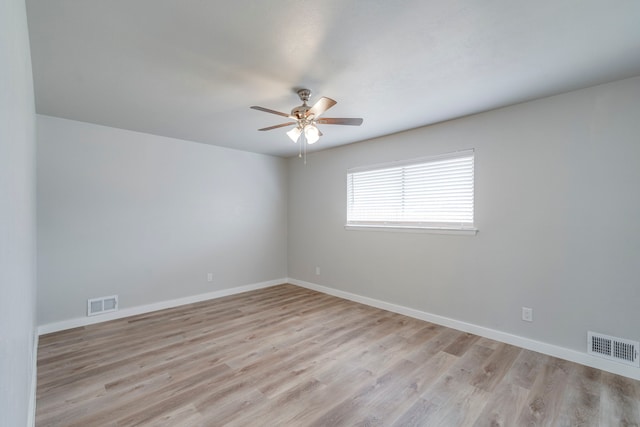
<point>279,126</point>
<point>321,106</point>
<point>340,121</point>
<point>267,110</point>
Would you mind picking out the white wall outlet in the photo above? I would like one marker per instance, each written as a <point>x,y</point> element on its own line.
<point>209,277</point>
<point>527,314</point>
<point>317,271</point>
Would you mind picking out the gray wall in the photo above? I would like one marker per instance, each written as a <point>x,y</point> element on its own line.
<point>17,217</point>
<point>557,206</point>
<point>147,217</point>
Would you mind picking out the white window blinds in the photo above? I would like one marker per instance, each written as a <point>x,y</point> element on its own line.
<point>435,192</point>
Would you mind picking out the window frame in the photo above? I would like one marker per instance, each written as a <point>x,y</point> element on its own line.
<point>465,228</point>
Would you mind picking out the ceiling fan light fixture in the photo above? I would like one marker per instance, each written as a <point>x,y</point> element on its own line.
<point>305,118</point>
<point>294,134</point>
<point>311,134</point>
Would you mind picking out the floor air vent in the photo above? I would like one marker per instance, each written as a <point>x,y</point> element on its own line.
<point>612,348</point>
<point>102,305</point>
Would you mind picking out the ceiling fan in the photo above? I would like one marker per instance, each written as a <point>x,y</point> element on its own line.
<point>306,118</point>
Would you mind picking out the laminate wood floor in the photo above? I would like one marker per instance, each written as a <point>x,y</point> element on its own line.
<point>289,356</point>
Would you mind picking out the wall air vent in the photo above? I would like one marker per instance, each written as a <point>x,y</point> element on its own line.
<point>612,348</point>
<point>102,305</point>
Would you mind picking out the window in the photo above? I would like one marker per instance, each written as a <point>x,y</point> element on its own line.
<point>429,193</point>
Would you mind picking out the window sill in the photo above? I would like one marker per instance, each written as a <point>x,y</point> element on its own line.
<point>413,229</point>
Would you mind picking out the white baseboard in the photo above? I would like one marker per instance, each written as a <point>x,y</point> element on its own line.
<point>31,420</point>
<point>161,305</point>
<point>527,343</point>
<point>541,347</point>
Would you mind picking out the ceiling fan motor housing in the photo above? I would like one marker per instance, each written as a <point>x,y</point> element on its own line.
<point>300,112</point>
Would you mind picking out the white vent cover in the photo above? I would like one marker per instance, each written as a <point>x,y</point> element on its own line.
<point>102,305</point>
<point>612,348</point>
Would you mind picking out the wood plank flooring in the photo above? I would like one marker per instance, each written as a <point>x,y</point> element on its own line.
<point>289,356</point>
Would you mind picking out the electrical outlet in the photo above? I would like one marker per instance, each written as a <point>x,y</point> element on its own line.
<point>317,271</point>
<point>209,277</point>
<point>527,314</point>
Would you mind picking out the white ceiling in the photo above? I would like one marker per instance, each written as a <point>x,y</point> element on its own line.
<point>190,69</point>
